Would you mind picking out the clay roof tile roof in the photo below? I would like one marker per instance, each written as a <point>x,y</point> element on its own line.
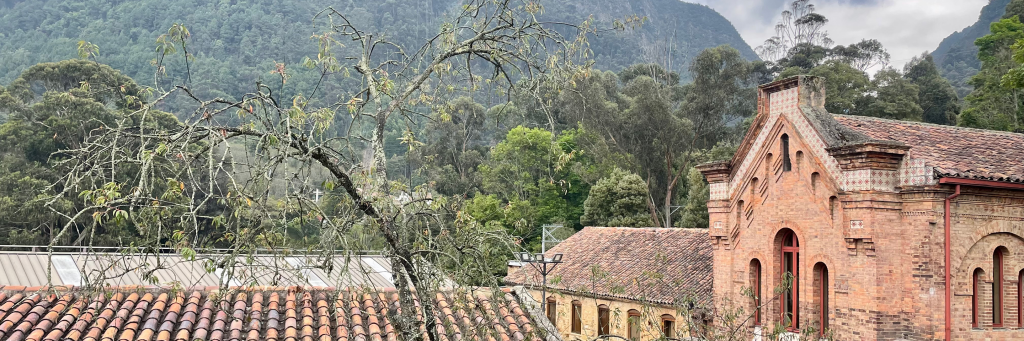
<point>314,314</point>
<point>659,265</point>
<point>953,151</point>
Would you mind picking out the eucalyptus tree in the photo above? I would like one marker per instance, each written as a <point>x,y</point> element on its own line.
<point>207,161</point>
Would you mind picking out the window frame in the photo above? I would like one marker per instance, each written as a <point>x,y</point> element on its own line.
<point>633,325</point>
<point>577,317</point>
<point>756,288</point>
<point>552,310</point>
<point>668,326</point>
<point>998,264</point>
<point>604,320</point>
<point>823,299</point>
<point>794,291</point>
<point>975,278</point>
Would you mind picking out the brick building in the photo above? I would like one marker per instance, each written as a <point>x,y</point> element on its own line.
<point>629,282</point>
<point>869,216</point>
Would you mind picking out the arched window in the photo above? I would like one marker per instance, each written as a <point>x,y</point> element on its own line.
<point>633,324</point>
<point>821,295</point>
<point>739,212</point>
<point>815,178</point>
<point>799,159</point>
<point>975,279</point>
<point>786,164</point>
<point>790,273</point>
<point>997,286</point>
<point>833,209</point>
<point>755,288</point>
<point>1020,299</point>
<point>552,312</point>
<point>603,320</point>
<point>577,314</point>
<point>753,188</point>
<point>668,326</point>
<point>768,168</point>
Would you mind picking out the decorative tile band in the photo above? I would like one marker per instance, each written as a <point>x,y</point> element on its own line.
<point>856,224</point>
<point>870,180</point>
<point>914,172</point>
<point>719,191</point>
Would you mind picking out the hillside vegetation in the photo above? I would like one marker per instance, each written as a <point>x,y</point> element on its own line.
<point>238,42</point>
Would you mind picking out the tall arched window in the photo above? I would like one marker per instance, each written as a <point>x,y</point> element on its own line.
<point>815,178</point>
<point>603,320</point>
<point>577,315</point>
<point>799,159</point>
<point>997,286</point>
<point>633,324</point>
<point>975,279</point>
<point>739,212</point>
<point>790,273</point>
<point>821,295</point>
<point>768,168</point>
<point>833,209</point>
<point>552,312</point>
<point>755,288</point>
<point>753,188</point>
<point>787,165</point>
<point>1020,299</point>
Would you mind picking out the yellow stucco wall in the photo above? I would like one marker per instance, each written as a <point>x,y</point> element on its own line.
<point>650,317</point>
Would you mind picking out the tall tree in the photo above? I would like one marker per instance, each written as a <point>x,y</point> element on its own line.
<point>937,98</point>
<point>617,200</point>
<point>993,105</point>
<point>895,97</point>
<point>799,25</point>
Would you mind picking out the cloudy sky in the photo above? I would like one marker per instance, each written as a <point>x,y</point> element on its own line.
<point>905,27</point>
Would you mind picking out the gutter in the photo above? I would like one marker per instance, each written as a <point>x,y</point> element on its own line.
<point>948,242</point>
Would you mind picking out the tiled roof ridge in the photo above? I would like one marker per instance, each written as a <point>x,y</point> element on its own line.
<point>926,124</point>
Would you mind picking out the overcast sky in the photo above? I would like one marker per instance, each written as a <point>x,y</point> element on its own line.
<point>905,27</point>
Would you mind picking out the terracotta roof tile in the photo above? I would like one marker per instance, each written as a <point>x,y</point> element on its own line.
<point>659,265</point>
<point>315,315</point>
<point>953,151</point>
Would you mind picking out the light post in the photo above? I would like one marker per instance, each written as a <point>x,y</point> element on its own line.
<point>539,262</point>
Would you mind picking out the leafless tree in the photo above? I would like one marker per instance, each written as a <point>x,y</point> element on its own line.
<point>171,184</point>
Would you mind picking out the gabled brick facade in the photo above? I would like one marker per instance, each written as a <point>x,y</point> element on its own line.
<point>855,208</point>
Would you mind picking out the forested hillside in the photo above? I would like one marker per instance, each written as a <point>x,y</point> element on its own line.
<point>239,42</point>
<point>957,56</point>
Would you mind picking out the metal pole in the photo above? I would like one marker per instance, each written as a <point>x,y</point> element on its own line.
<point>544,290</point>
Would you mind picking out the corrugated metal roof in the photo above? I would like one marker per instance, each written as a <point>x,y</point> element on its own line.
<point>205,270</point>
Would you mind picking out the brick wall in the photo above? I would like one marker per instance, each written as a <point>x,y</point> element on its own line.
<point>882,246</point>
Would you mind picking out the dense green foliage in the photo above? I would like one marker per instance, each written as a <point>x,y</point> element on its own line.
<point>994,104</point>
<point>49,108</point>
<point>617,200</point>
<point>237,43</point>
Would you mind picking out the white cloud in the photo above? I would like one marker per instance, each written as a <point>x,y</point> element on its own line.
<point>905,27</point>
